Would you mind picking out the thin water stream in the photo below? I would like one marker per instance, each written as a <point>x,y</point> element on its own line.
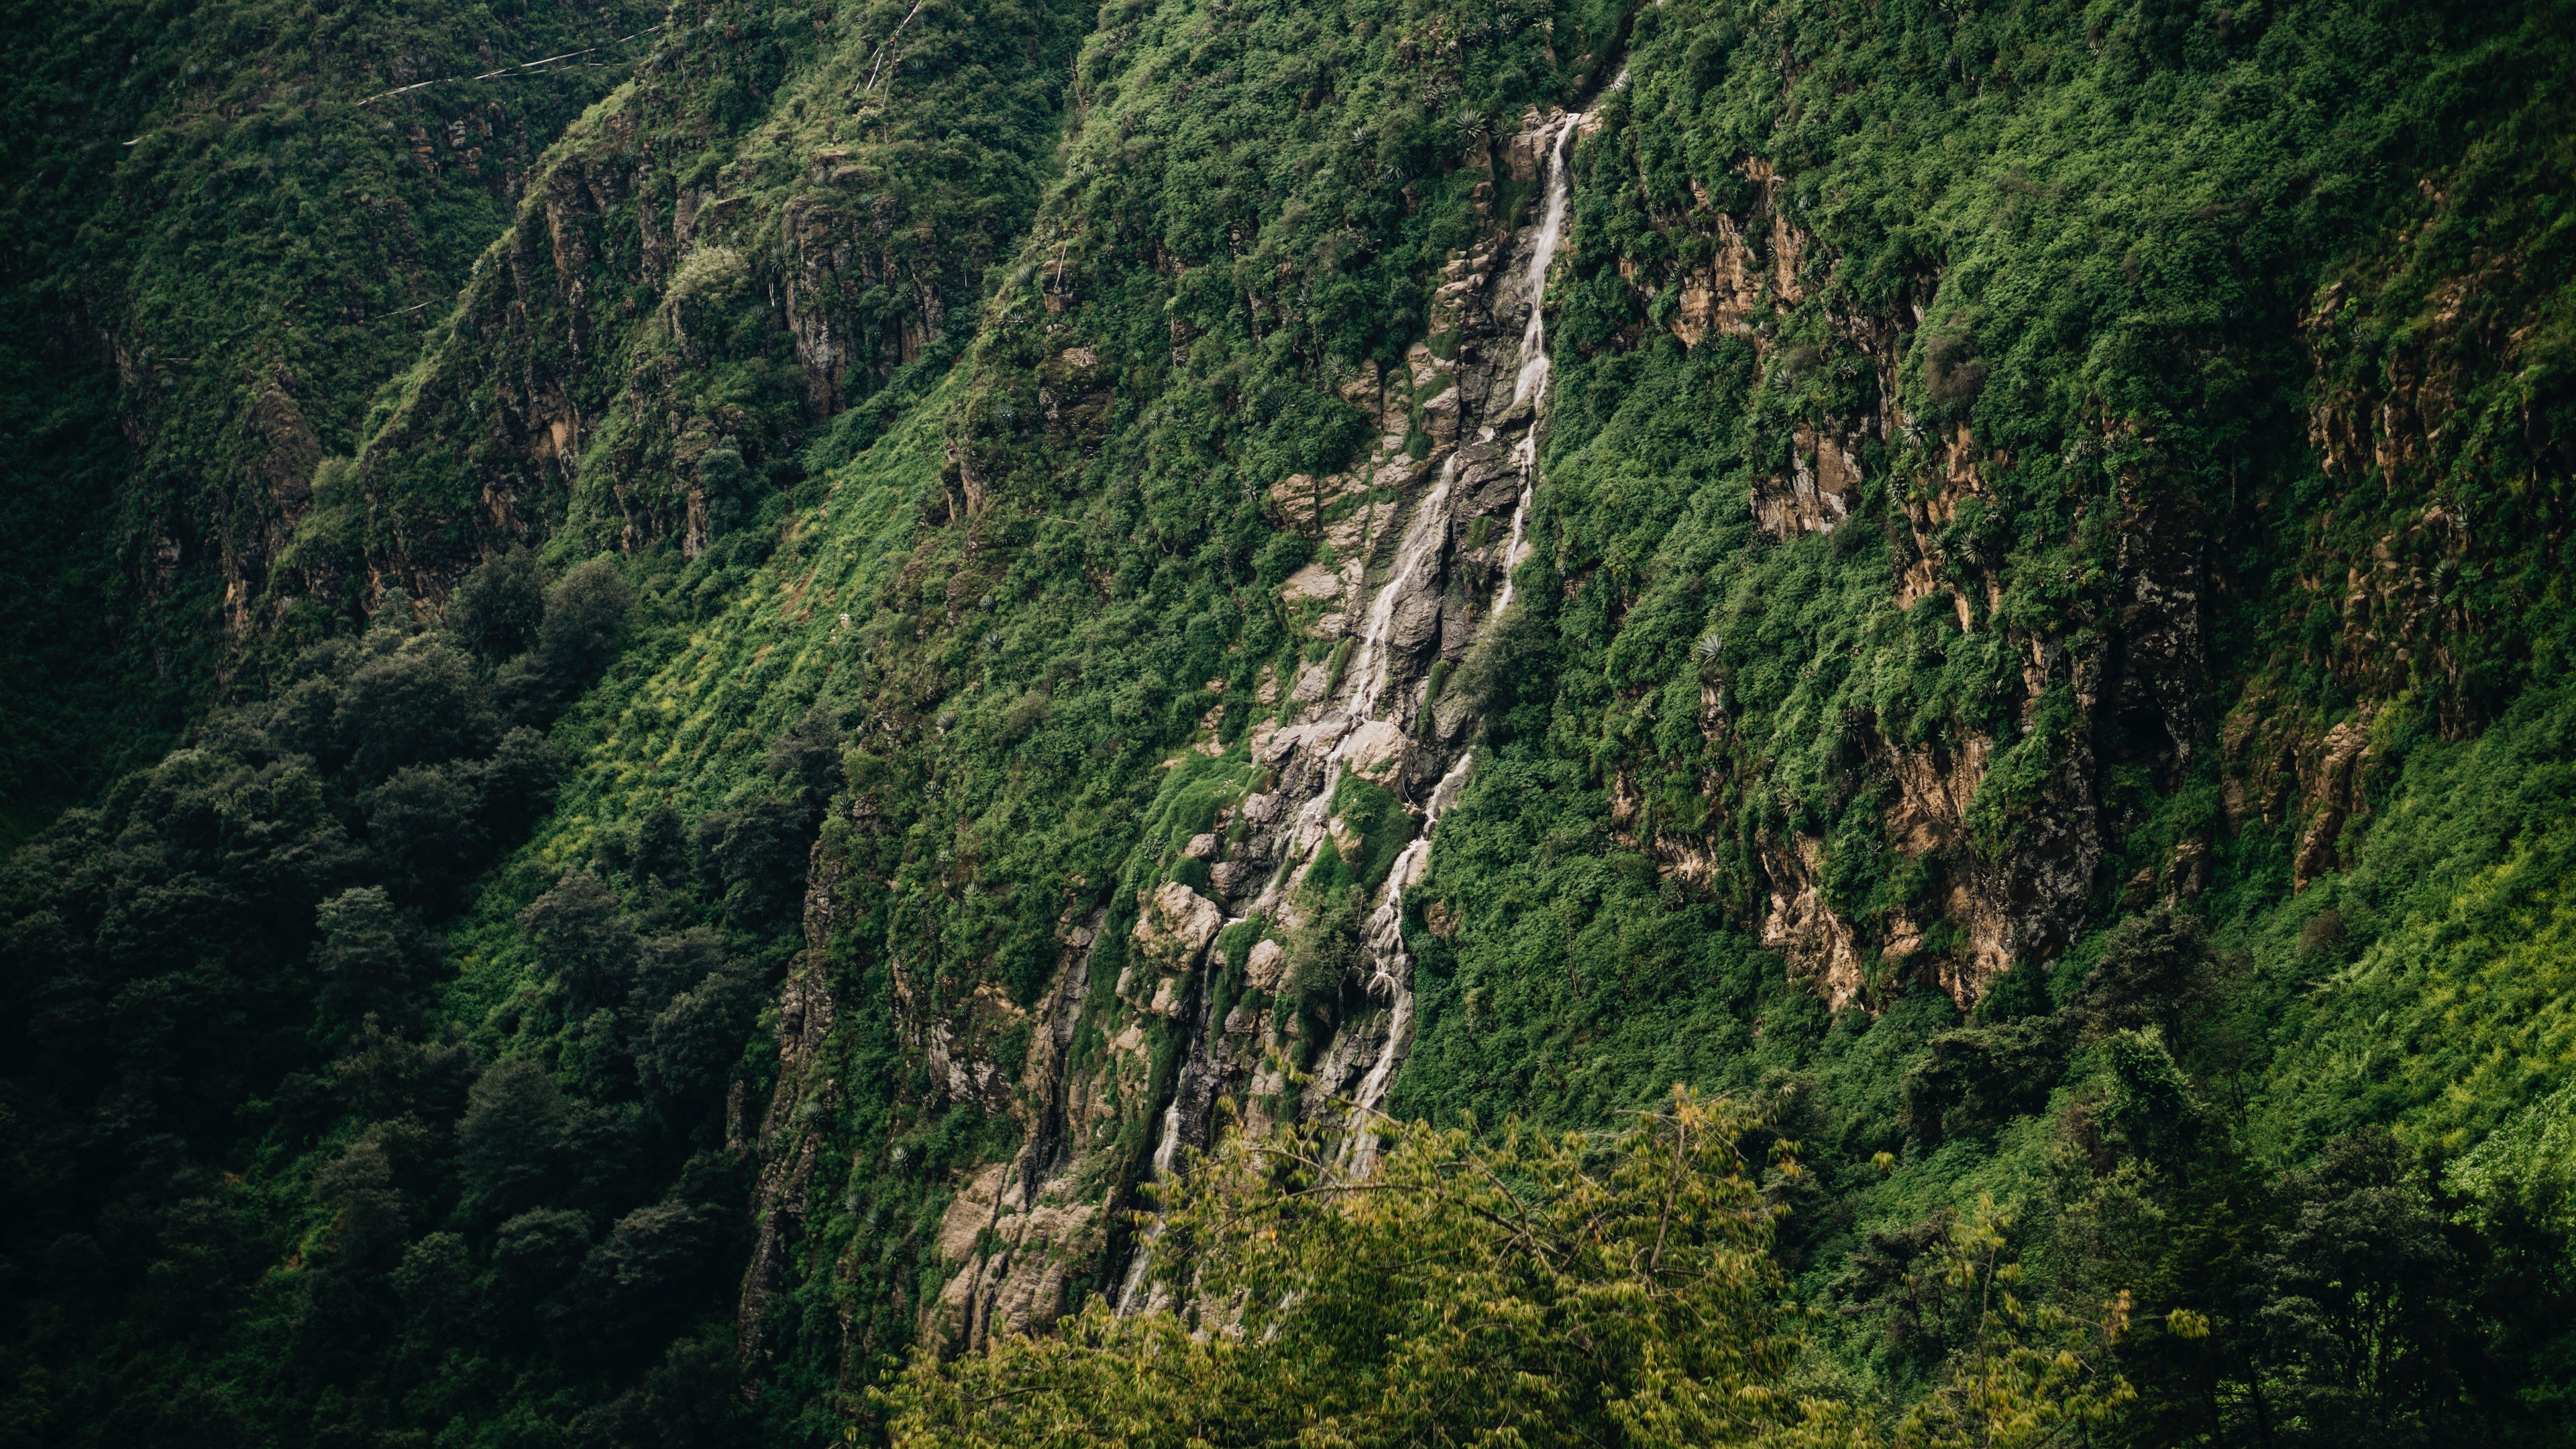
<point>1340,732</point>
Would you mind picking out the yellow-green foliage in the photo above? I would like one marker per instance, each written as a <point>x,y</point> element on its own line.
<point>2444,992</point>
<point>2101,242</point>
<point>1586,1289</point>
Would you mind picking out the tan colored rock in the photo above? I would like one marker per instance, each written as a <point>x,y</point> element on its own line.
<point>1440,920</point>
<point>1722,295</point>
<point>944,1322</point>
<point>970,1213</point>
<point>1932,802</point>
<point>1802,927</point>
<point>1525,152</point>
<point>1176,927</point>
<point>1440,419</point>
<point>1043,1243</point>
<point>1301,498</point>
<point>1353,536</point>
<point>2331,801</point>
<point>1267,963</point>
<point>1314,581</point>
<point>1420,365</point>
<point>1362,391</point>
<point>1376,751</point>
<point>1817,494</point>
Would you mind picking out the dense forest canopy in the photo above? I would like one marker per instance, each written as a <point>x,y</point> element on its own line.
<point>1224,722</point>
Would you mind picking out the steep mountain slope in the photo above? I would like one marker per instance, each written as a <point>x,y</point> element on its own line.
<point>226,226</point>
<point>1987,581</point>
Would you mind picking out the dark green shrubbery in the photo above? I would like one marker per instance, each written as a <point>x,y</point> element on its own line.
<point>224,237</point>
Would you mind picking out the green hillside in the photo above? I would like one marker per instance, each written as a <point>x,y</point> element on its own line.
<point>1214,722</point>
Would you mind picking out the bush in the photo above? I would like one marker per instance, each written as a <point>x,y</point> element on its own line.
<point>367,957</point>
<point>535,1257</point>
<point>511,1142</point>
<point>582,939</point>
<point>1977,1078</point>
<point>585,624</point>
<point>412,705</point>
<point>695,1039</point>
<point>425,828</point>
<point>498,607</point>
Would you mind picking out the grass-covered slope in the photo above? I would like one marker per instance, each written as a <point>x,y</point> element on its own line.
<point>2103,314</point>
<point>2041,303</point>
<point>2041,467</point>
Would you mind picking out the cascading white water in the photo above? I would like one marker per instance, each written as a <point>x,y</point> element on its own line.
<point>1385,938</point>
<point>1534,364</point>
<point>1371,670</point>
<point>1131,1290</point>
<point>1551,229</point>
<point>1372,666</point>
<point>1512,550</point>
<point>1384,944</point>
<point>1171,1143</point>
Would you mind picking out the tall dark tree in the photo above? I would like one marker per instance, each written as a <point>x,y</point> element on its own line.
<point>498,607</point>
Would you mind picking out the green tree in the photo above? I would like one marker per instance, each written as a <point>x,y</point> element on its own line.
<point>367,956</point>
<point>1585,1289</point>
<point>582,938</point>
<point>2030,1373</point>
<point>585,622</point>
<point>512,1135</point>
<point>498,607</point>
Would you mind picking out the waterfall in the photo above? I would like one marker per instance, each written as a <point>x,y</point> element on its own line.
<point>1422,539</point>
<point>1551,230</point>
<point>1369,669</point>
<point>1131,1295</point>
<point>1384,945</point>
<point>1534,364</point>
<point>1512,550</point>
<point>1337,729</point>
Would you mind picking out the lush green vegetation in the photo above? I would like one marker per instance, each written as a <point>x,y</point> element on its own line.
<point>1589,1289</point>
<point>222,235</point>
<point>665,718</point>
